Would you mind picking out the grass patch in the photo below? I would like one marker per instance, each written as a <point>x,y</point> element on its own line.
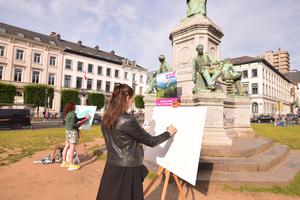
<point>289,135</point>
<point>23,143</point>
<point>293,189</point>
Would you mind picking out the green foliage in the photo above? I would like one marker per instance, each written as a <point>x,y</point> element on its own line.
<point>169,92</point>
<point>68,96</point>
<point>139,101</point>
<point>96,99</point>
<point>38,94</point>
<point>289,135</point>
<point>292,189</point>
<point>15,145</point>
<point>7,93</point>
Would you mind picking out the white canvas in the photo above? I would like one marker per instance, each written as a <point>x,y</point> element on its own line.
<point>81,111</point>
<point>180,154</point>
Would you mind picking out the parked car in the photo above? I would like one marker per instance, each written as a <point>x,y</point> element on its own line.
<point>263,119</point>
<point>97,119</point>
<point>14,118</point>
<point>292,118</point>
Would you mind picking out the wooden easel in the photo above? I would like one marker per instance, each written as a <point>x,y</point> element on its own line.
<point>165,187</point>
<point>82,140</point>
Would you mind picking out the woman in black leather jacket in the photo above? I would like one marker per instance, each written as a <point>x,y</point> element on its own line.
<point>124,171</point>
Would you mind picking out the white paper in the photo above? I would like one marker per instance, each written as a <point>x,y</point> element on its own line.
<point>181,153</point>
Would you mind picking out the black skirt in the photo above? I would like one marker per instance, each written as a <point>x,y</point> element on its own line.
<point>122,183</point>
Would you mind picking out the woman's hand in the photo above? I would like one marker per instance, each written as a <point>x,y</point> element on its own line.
<point>171,129</point>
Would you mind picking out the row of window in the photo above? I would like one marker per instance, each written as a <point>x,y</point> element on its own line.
<point>90,69</point>
<point>37,57</point>
<point>254,73</point>
<point>89,84</point>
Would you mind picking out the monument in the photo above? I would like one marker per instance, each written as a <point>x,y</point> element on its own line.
<point>196,61</point>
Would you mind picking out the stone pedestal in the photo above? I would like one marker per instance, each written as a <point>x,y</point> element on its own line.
<point>185,37</point>
<point>214,131</point>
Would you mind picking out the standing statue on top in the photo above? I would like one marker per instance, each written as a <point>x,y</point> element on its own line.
<point>196,7</point>
<point>164,66</point>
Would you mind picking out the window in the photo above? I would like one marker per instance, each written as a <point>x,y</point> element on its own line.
<point>141,90</point>
<point>18,75</point>
<point>2,49</point>
<point>35,76</point>
<point>116,73</point>
<point>19,54</point>
<point>89,84</point>
<point>67,81</point>
<point>245,73</point>
<point>1,72</point>
<point>79,66</point>
<point>78,82</point>
<point>246,88</point>
<point>108,71</point>
<point>254,108</point>
<point>107,86</point>
<point>68,64</point>
<point>133,77</point>
<point>99,71</point>
<point>116,84</point>
<point>52,61</point>
<point>90,68</point>
<point>125,75</point>
<point>254,72</point>
<point>254,88</point>
<point>51,79</point>
<point>141,78</point>
<point>99,84</point>
<point>37,58</point>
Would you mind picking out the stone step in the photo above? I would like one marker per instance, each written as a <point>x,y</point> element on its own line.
<point>280,175</point>
<point>241,147</point>
<point>260,162</point>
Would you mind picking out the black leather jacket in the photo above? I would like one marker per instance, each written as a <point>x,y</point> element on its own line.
<point>124,141</point>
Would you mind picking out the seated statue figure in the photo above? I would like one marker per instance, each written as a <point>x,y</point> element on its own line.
<point>204,75</point>
<point>230,75</point>
<point>164,67</point>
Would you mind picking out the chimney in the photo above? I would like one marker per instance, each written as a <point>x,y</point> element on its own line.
<point>97,47</point>
<point>55,35</point>
<point>112,52</point>
<point>79,43</point>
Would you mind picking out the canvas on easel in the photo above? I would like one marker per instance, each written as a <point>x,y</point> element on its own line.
<point>180,155</point>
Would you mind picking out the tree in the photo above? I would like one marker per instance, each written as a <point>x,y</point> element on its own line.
<point>38,95</point>
<point>7,93</point>
<point>96,99</point>
<point>139,101</point>
<point>68,96</point>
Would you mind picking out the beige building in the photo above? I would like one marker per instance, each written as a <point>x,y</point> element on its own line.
<point>269,90</point>
<point>28,57</point>
<point>279,59</point>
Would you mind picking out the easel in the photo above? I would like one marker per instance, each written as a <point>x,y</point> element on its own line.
<point>82,140</point>
<point>165,187</point>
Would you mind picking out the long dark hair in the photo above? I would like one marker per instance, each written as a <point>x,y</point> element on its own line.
<point>69,107</point>
<point>117,105</point>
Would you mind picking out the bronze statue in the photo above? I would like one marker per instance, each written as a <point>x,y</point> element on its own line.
<point>231,77</point>
<point>196,7</point>
<point>204,75</point>
<point>164,66</point>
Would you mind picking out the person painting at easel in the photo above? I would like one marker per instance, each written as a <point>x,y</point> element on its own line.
<point>124,171</point>
<point>72,123</point>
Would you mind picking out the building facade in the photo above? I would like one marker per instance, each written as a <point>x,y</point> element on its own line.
<point>268,89</point>
<point>30,58</point>
<point>294,76</point>
<point>27,57</point>
<point>279,59</point>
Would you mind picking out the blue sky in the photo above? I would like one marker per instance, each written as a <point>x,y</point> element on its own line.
<point>139,29</point>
